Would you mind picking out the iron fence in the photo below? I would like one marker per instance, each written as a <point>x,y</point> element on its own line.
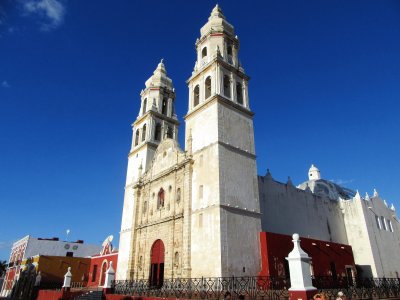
<point>207,288</point>
<point>358,288</point>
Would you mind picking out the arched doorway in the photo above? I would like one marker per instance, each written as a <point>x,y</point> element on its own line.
<point>157,263</point>
<point>103,273</point>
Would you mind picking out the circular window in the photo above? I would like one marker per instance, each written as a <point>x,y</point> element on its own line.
<point>67,246</point>
<point>75,247</point>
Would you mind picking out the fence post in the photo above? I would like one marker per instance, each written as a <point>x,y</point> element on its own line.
<point>110,276</point>
<point>300,275</point>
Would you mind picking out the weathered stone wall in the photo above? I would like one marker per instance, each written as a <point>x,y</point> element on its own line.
<point>286,209</point>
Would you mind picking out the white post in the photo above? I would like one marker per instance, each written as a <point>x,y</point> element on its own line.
<point>110,276</point>
<point>67,279</point>
<point>300,274</point>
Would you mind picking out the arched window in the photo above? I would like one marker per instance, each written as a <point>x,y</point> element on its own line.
<point>196,96</point>
<point>160,199</point>
<point>204,52</point>
<point>164,106</point>
<point>239,93</point>
<point>178,195</point>
<point>169,132</point>
<point>157,132</point>
<point>137,137</point>
<point>229,50</point>
<point>144,106</point>
<point>144,207</point>
<point>208,87</point>
<point>144,132</point>
<point>227,86</point>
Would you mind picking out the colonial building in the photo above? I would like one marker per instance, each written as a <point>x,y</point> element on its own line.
<point>321,209</point>
<point>31,250</point>
<point>199,211</point>
<point>176,200</point>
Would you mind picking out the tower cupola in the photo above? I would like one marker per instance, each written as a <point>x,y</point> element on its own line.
<point>314,173</point>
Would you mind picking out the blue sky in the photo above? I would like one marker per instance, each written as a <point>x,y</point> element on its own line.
<point>325,90</point>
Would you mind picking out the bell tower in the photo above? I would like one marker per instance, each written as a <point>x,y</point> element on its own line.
<point>156,121</point>
<point>225,204</point>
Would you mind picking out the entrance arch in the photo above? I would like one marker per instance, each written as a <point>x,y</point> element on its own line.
<point>103,273</point>
<point>157,263</point>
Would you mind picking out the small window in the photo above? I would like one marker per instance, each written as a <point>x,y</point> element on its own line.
<point>144,132</point>
<point>239,93</point>
<point>227,86</point>
<point>69,254</point>
<point>164,106</point>
<point>94,274</point>
<point>170,132</point>
<point>229,50</point>
<point>201,192</point>
<point>208,87</point>
<point>160,200</point>
<point>144,106</point>
<point>390,225</point>
<point>383,221</point>
<point>157,133</point>
<point>137,137</point>
<point>204,52</point>
<point>378,222</point>
<point>144,206</point>
<point>178,195</point>
<point>196,96</point>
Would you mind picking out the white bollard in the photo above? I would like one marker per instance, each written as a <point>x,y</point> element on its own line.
<point>67,279</point>
<point>300,274</point>
<point>110,276</point>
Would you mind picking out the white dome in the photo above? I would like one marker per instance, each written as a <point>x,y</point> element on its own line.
<point>314,173</point>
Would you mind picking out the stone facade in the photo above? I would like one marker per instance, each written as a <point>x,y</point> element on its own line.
<point>199,206</point>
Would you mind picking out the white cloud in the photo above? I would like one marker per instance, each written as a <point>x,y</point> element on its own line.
<point>5,84</point>
<point>51,12</point>
<point>342,181</point>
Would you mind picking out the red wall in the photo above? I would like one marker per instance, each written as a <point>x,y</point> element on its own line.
<point>98,260</point>
<point>276,247</point>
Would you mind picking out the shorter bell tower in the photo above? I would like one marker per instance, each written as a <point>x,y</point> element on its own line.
<point>155,122</point>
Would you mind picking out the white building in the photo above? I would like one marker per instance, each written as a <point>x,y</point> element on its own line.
<point>29,246</point>
<point>323,210</point>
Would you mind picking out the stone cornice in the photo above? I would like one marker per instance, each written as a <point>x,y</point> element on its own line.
<point>236,210</point>
<point>156,114</point>
<point>219,60</point>
<point>164,220</point>
<point>140,147</point>
<point>222,100</point>
<point>142,182</point>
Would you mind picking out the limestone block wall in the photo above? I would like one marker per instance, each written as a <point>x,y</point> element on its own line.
<point>286,209</point>
<point>375,244</point>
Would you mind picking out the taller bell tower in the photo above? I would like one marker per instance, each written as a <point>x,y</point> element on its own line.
<point>156,121</point>
<point>225,204</point>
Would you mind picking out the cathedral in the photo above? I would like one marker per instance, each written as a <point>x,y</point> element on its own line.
<point>199,211</point>
<point>194,212</point>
